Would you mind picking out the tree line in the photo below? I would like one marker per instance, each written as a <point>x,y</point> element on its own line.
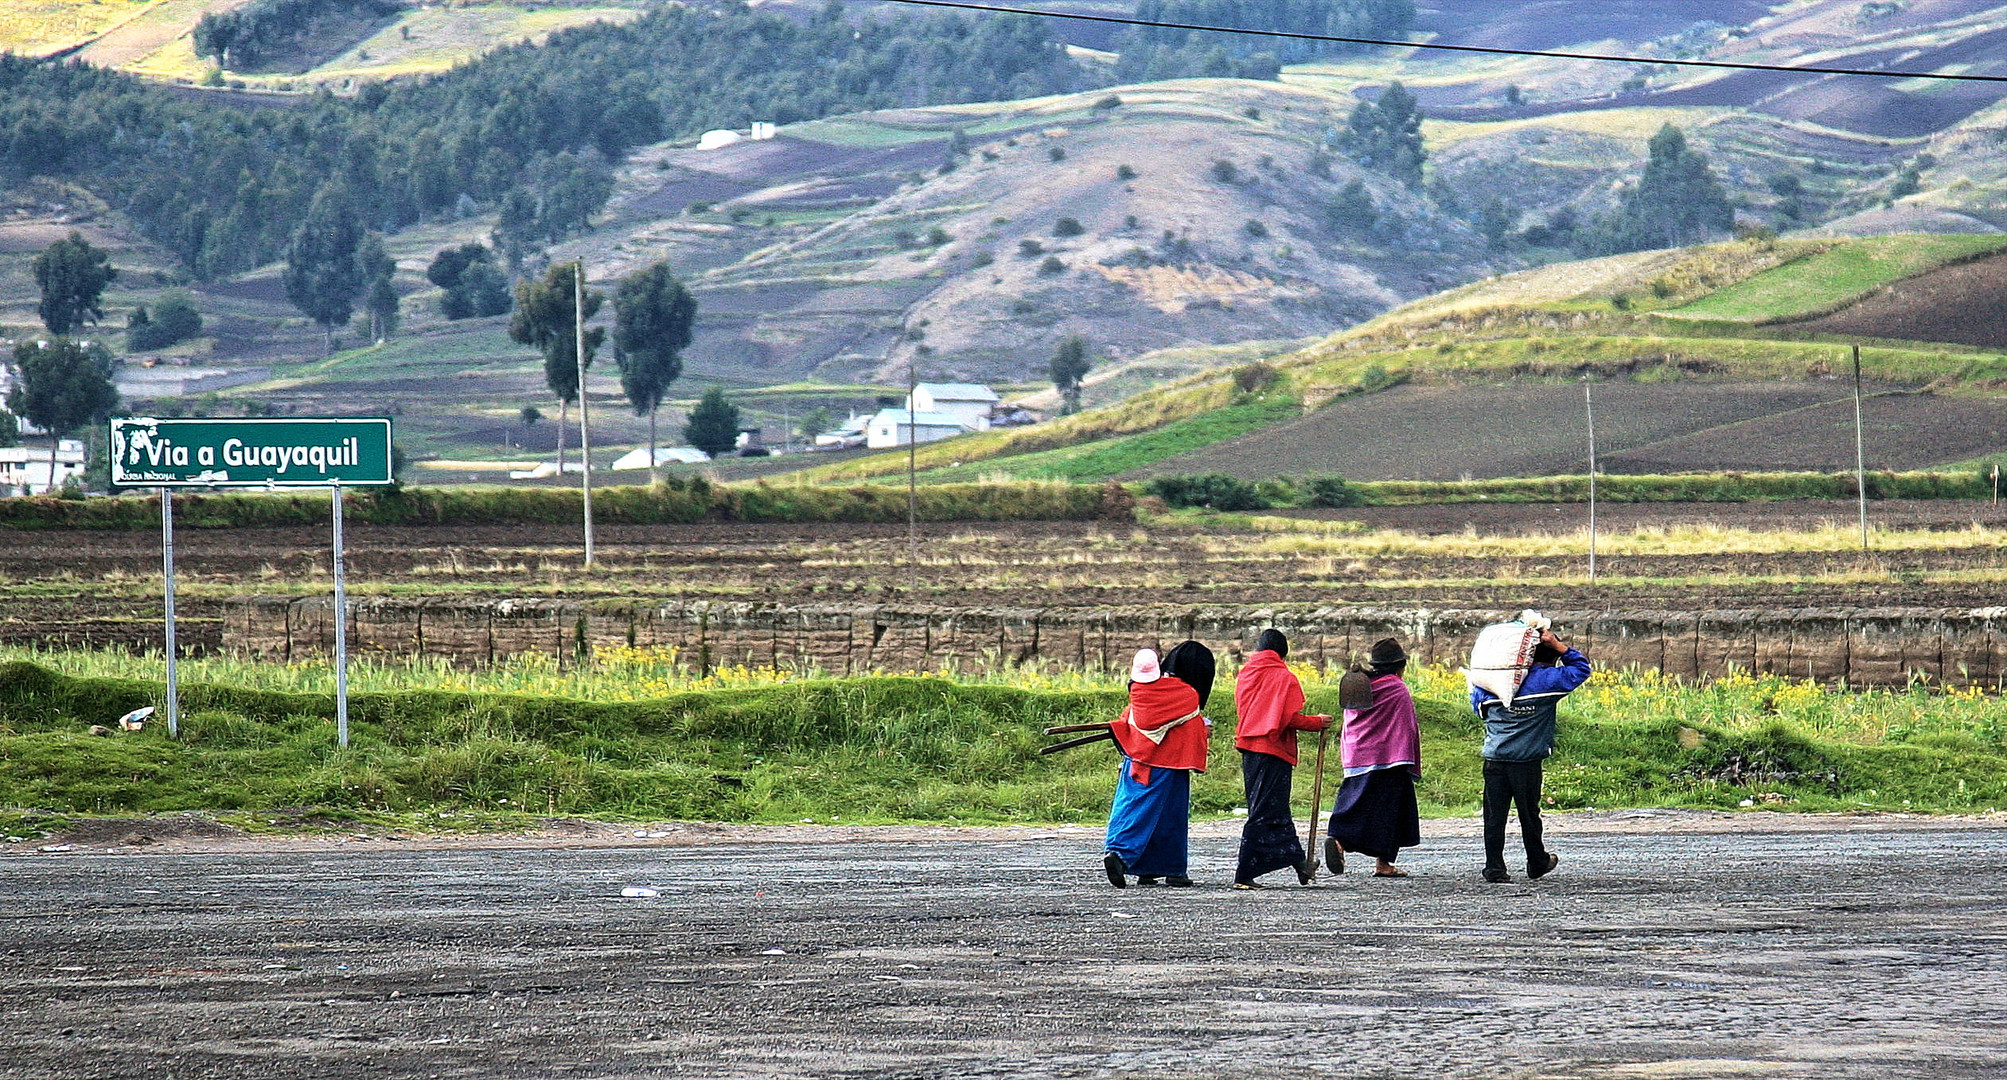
<point>1162,52</point>
<point>530,129</point>
<point>261,29</point>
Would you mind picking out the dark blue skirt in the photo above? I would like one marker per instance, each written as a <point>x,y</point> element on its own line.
<point>1268,841</point>
<point>1376,813</point>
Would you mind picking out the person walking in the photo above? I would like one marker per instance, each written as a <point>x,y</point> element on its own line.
<point>1517,738</point>
<point>1163,736</point>
<point>1376,813</point>
<point>1269,699</point>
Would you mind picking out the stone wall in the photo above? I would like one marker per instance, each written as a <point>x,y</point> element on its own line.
<point>1854,647</point>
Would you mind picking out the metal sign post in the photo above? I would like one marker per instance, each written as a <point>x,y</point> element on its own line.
<point>341,624</point>
<point>264,452</point>
<point>167,573</point>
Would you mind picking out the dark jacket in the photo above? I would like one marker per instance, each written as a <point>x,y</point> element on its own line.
<point>1525,732</point>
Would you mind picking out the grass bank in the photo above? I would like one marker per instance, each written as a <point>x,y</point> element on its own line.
<point>776,748</point>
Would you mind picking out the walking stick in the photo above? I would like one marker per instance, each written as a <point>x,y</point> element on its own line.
<point>1316,802</point>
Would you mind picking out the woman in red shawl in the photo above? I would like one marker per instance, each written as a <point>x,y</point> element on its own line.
<point>1376,813</point>
<point>1163,736</point>
<point>1269,700</point>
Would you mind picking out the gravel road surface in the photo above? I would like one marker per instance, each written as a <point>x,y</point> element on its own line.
<point>1665,946</point>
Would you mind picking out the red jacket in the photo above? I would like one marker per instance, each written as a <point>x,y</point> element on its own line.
<point>1270,703</point>
<point>1162,727</point>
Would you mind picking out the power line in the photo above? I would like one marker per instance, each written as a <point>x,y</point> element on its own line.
<point>1118,20</point>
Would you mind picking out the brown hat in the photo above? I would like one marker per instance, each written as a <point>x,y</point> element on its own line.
<point>1387,654</point>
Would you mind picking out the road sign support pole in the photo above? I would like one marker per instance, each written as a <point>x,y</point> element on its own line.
<point>167,573</point>
<point>341,624</point>
<point>1860,451</point>
<point>584,409</point>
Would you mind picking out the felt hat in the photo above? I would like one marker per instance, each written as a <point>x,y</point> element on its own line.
<point>1144,668</point>
<point>1387,654</point>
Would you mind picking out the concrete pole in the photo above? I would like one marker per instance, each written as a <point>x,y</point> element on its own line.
<point>167,572</point>
<point>1860,451</point>
<point>584,409</point>
<point>1589,402</point>
<point>341,625</point>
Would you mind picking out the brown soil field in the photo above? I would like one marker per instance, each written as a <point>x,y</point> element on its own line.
<point>1538,429</point>
<point>95,588</point>
<point>1964,304</point>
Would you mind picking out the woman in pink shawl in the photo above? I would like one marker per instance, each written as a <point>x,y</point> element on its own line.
<point>1381,746</point>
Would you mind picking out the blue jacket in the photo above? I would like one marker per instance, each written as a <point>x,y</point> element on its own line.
<point>1525,732</point>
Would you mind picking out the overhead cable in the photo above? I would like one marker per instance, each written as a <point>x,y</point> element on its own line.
<point>1555,54</point>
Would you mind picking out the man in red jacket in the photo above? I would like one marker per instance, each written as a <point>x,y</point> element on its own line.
<point>1269,699</point>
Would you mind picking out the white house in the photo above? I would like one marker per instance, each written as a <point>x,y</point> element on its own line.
<point>968,403</point>
<point>897,427</point>
<point>28,467</point>
<point>637,458</point>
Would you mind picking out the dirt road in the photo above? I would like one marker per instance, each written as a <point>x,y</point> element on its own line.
<point>1665,947</point>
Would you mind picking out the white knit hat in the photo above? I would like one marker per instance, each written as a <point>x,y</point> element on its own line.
<point>1144,668</point>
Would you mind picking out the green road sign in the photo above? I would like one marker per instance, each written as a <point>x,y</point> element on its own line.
<point>269,452</point>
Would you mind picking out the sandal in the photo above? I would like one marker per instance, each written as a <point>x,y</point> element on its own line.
<point>1395,872</point>
<point>1334,856</point>
<point>1250,886</point>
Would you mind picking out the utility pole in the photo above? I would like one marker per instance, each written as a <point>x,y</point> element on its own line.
<point>1860,451</point>
<point>584,410</point>
<point>912,477</point>
<point>1589,402</point>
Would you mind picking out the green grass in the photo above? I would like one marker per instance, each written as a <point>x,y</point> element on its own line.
<point>881,749</point>
<point>1108,458</point>
<point>1826,282</point>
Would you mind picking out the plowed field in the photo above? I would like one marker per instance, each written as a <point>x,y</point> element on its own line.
<point>1964,305</point>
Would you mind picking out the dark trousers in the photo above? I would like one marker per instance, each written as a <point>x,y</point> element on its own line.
<point>1508,784</point>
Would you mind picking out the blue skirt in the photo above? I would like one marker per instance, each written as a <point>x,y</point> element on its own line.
<point>1149,823</point>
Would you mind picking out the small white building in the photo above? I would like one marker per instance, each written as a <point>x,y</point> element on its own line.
<point>637,458</point>
<point>25,469</point>
<point>897,427</point>
<point>968,403</point>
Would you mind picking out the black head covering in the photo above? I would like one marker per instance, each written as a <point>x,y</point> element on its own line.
<point>1273,640</point>
<point>1387,657</point>
<point>1193,663</point>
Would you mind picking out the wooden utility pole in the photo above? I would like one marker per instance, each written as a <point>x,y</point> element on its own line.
<point>912,477</point>
<point>1860,451</point>
<point>584,411</point>
<point>1589,402</point>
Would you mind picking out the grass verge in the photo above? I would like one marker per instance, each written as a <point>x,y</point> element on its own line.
<point>924,749</point>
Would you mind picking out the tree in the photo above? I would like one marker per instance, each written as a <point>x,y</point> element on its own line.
<point>63,385</point>
<point>813,423</point>
<point>1677,201</point>
<point>652,319</point>
<point>1386,135</point>
<point>324,272</point>
<point>714,424</point>
<point>10,429</point>
<point>381,299</point>
<point>172,321</point>
<point>72,276</point>
<point>1069,366</point>
<point>544,319</point>
<point>474,287</point>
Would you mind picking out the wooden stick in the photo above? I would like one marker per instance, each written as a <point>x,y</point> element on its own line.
<point>1316,801</point>
<point>1106,736</point>
<point>1068,729</point>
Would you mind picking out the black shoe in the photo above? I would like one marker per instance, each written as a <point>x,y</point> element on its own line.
<point>1334,856</point>
<point>1117,870</point>
<point>1304,874</point>
<point>1535,873</point>
<point>1148,880</point>
<point>1496,876</point>
<point>1178,881</point>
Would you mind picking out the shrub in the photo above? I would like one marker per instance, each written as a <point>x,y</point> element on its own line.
<point>1124,172</point>
<point>1332,492</point>
<point>1067,226</point>
<point>1212,491</point>
<point>1253,378</point>
<point>173,320</point>
<point>1255,230</point>
<point>1225,172</point>
<point>1051,266</point>
<point>1030,249</point>
<point>1109,102</point>
<point>1056,153</point>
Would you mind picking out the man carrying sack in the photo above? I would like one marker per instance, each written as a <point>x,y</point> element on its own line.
<point>1519,734</point>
